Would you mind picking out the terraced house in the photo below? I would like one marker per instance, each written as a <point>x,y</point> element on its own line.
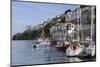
<point>79,26</point>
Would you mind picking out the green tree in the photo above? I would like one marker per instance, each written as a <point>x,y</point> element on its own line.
<point>17,36</point>
<point>69,10</point>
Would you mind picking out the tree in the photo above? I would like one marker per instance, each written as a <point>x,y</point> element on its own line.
<point>69,10</point>
<point>49,25</point>
<point>17,36</point>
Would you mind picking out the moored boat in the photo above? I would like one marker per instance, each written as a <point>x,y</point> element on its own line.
<point>74,50</point>
<point>52,42</point>
<point>89,50</point>
<point>62,46</point>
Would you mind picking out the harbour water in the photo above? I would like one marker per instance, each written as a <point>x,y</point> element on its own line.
<point>23,53</point>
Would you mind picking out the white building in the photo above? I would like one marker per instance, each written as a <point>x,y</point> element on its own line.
<point>57,31</point>
<point>81,24</point>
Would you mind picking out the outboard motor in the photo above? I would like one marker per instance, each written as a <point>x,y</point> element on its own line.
<point>34,46</point>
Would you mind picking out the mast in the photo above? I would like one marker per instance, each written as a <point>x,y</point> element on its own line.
<point>80,25</point>
<point>92,24</point>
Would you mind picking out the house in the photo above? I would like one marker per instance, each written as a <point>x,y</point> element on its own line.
<point>79,25</point>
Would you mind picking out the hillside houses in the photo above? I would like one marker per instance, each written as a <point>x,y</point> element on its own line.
<point>80,23</point>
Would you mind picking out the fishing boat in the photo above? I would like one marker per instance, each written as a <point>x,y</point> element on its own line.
<point>74,50</point>
<point>52,42</point>
<point>91,50</point>
<point>62,46</point>
<point>88,51</point>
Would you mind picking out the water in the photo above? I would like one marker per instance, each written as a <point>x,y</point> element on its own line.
<point>23,53</point>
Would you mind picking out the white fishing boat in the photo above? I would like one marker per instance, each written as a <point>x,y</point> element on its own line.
<point>74,50</point>
<point>70,52</point>
<point>90,50</point>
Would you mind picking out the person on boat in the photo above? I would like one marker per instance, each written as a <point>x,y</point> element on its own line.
<point>34,46</point>
<point>76,45</point>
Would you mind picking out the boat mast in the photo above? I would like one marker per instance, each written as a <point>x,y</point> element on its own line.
<point>80,25</point>
<point>77,24</point>
<point>92,24</point>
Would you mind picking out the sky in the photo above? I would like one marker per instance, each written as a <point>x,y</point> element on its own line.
<point>32,14</point>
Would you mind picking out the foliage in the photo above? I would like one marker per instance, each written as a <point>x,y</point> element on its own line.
<point>17,36</point>
<point>69,10</point>
<point>31,34</point>
<point>26,35</point>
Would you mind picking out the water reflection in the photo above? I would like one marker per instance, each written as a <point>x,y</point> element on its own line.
<point>23,54</point>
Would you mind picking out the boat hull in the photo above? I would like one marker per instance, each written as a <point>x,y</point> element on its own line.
<point>63,49</point>
<point>72,53</point>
